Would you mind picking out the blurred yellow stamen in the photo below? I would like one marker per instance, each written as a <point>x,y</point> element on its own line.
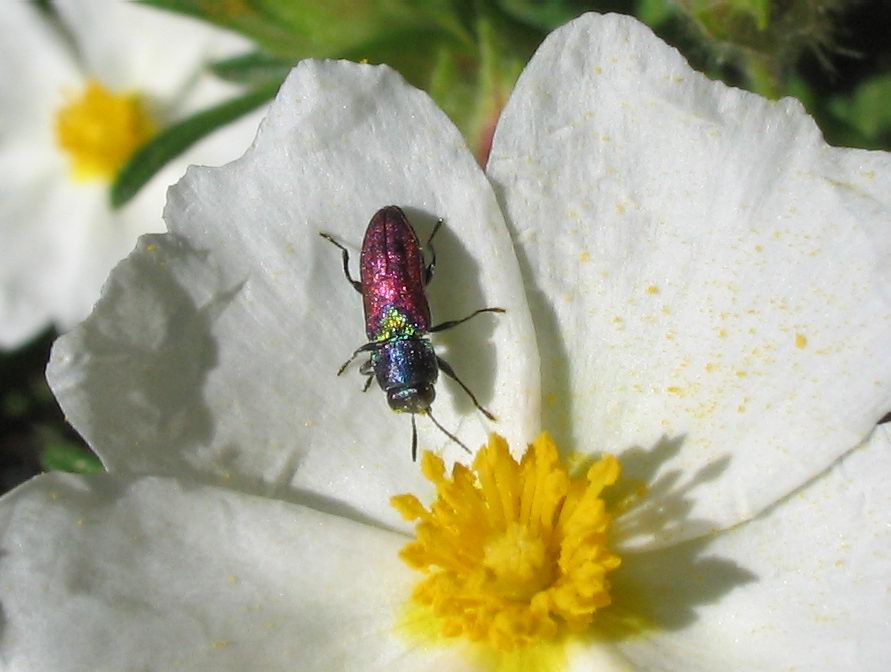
<point>513,552</point>
<point>100,130</point>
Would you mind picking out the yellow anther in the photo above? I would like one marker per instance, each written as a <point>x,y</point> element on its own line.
<point>513,552</point>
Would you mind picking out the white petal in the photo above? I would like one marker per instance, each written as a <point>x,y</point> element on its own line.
<point>709,277</point>
<point>111,234</point>
<point>110,241</point>
<point>58,238</point>
<point>36,69</point>
<point>214,351</point>
<point>36,72</point>
<point>156,52</point>
<point>107,573</point>
<point>805,586</point>
<point>44,235</point>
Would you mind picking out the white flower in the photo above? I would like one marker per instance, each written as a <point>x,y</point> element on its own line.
<point>71,115</point>
<point>707,284</point>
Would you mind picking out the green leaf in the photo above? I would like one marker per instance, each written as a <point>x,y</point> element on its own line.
<point>798,87</point>
<point>254,68</point>
<point>472,88</point>
<point>298,29</point>
<point>174,140</point>
<point>249,17</point>
<point>61,455</point>
<point>544,14</point>
<point>654,12</point>
<point>411,52</point>
<point>868,110</point>
<point>454,90</point>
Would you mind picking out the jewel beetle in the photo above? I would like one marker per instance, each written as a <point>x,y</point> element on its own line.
<point>393,276</point>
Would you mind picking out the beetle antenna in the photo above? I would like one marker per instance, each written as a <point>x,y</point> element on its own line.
<point>445,431</point>
<point>414,440</point>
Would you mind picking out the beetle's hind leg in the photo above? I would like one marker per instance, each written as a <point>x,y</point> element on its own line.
<point>346,261</point>
<point>446,368</point>
<point>431,267</point>
<point>454,323</point>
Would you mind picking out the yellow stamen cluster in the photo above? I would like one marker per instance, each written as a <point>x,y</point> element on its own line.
<point>100,130</point>
<point>513,552</point>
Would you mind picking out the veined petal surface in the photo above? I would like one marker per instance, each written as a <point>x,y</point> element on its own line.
<point>710,282</point>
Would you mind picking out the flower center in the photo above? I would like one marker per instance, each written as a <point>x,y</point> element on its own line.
<point>518,563</point>
<point>100,130</point>
<point>513,552</point>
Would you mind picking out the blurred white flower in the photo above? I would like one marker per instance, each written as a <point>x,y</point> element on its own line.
<point>72,114</point>
<point>707,284</point>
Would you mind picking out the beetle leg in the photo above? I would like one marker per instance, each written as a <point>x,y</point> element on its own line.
<point>368,382</point>
<point>454,323</point>
<point>368,347</point>
<point>447,369</point>
<point>445,431</point>
<point>431,267</point>
<point>346,261</point>
<point>367,369</point>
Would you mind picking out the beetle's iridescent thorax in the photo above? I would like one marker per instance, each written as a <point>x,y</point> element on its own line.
<point>392,323</point>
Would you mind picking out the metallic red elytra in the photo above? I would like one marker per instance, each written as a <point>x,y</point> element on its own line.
<point>393,275</point>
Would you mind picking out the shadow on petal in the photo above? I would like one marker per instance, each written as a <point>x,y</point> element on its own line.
<point>149,364</point>
<point>662,589</point>
<point>454,292</point>
<point>656,507</point>
<point>2,610</point>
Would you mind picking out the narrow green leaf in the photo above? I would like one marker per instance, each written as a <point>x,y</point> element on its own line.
<point>257,19</point>
<point>255,68</point>
<point>298,29</point>
<point>175,139</point>
<point>64,456</point>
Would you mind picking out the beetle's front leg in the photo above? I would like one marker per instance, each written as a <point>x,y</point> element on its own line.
<point>368,347</point>
<point>367,370</point>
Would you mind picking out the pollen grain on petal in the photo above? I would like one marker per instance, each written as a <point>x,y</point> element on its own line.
<point>513,553</point>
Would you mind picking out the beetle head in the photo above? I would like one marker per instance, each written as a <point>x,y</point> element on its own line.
<point>411,398</point>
